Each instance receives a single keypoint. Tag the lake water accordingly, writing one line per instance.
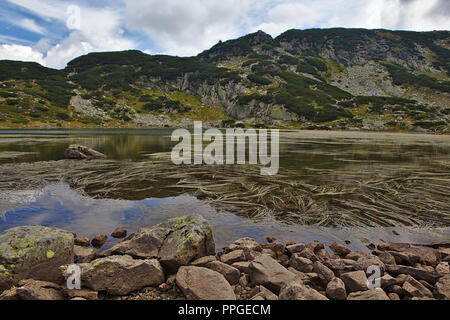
(385, 172)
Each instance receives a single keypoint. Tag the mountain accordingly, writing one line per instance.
(316, 79)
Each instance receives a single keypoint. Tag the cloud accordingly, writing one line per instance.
(31, 25)
(19, 52)
(186, 29)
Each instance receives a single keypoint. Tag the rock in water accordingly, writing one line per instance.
(77, 152)
(119, 233)
(175, 243)
(119, 275)
(198, 283)
(33, 252)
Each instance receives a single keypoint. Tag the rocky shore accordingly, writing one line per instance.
(177, 259)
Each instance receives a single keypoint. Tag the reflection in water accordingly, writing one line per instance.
(324, 159)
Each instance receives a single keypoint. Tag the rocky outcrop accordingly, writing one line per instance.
(33, 252)
(174, 243)
(77, 152)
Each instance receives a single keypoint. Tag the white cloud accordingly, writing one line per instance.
(31, 25)
(182, 28)
(19, 52)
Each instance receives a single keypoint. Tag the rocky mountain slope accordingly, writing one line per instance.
(317, 79)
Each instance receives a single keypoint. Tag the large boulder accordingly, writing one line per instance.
(77, 152)
(198, 283)
(174, 243)
(119, 275)
(33, 252)
(266, 271)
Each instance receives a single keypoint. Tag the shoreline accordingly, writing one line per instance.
(176, 259)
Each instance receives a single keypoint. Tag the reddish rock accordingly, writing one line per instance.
(119, 233)
(271, 239)
(84, 242)
(339, 249)
(336, 290)
(99, 240)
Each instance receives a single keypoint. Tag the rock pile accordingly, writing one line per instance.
(179, 256)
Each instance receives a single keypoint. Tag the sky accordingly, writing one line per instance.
(53, 32)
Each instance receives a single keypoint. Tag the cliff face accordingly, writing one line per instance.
(319, 78)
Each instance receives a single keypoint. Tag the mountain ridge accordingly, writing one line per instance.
(347, 79)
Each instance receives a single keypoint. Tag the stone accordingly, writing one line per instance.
(391, 246)
(355, 281)
(84, 242)
(203, 261)
(414, 288)
(198, 283)
(405, 254)
(295, 248)
(315, 246)
(271, 239)
(387, 258)
(83, 253)
(358, 255)
(267, 294)
(442, 290)
(323, 255)
(269, 252)
(336, 289)
(82, 293)
(144, 244)
(248, 243)
(99, 240)
(119, 233)
(33, 252)
(393, 296)
(77, 152)
(119, 275)
(443, 268)
(174, 243)
(233, 256)
(324, 271)
(387, 280)
(339, 249)
(299, 291)
(30, 289)
(266, 271)
(340, 265)
(416, 273)
(308, 254)
(242, 266)
(301, 264)
(374, 294)
(230, 273)
(364, 263)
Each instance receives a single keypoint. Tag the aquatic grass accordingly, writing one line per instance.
(375, 195)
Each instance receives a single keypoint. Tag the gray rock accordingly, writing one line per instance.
(77, 152)
(201, 262)
(119, 275)
(416, 273)
(301, 264)
(355, 281)
(299, 291)
(324, 271)
(33, 252)
(443, 287)
(266, 271)
(230, 273)
(83, 253)
(30, 289)
(295, 248)
(336, 290)
(374, 294)
(233, 256)
(175, 243)
(414, 288)
(198, 283)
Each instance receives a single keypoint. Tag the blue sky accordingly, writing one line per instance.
(53, 32)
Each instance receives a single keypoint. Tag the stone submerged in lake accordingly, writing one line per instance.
(77, 152)
(33, 252)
